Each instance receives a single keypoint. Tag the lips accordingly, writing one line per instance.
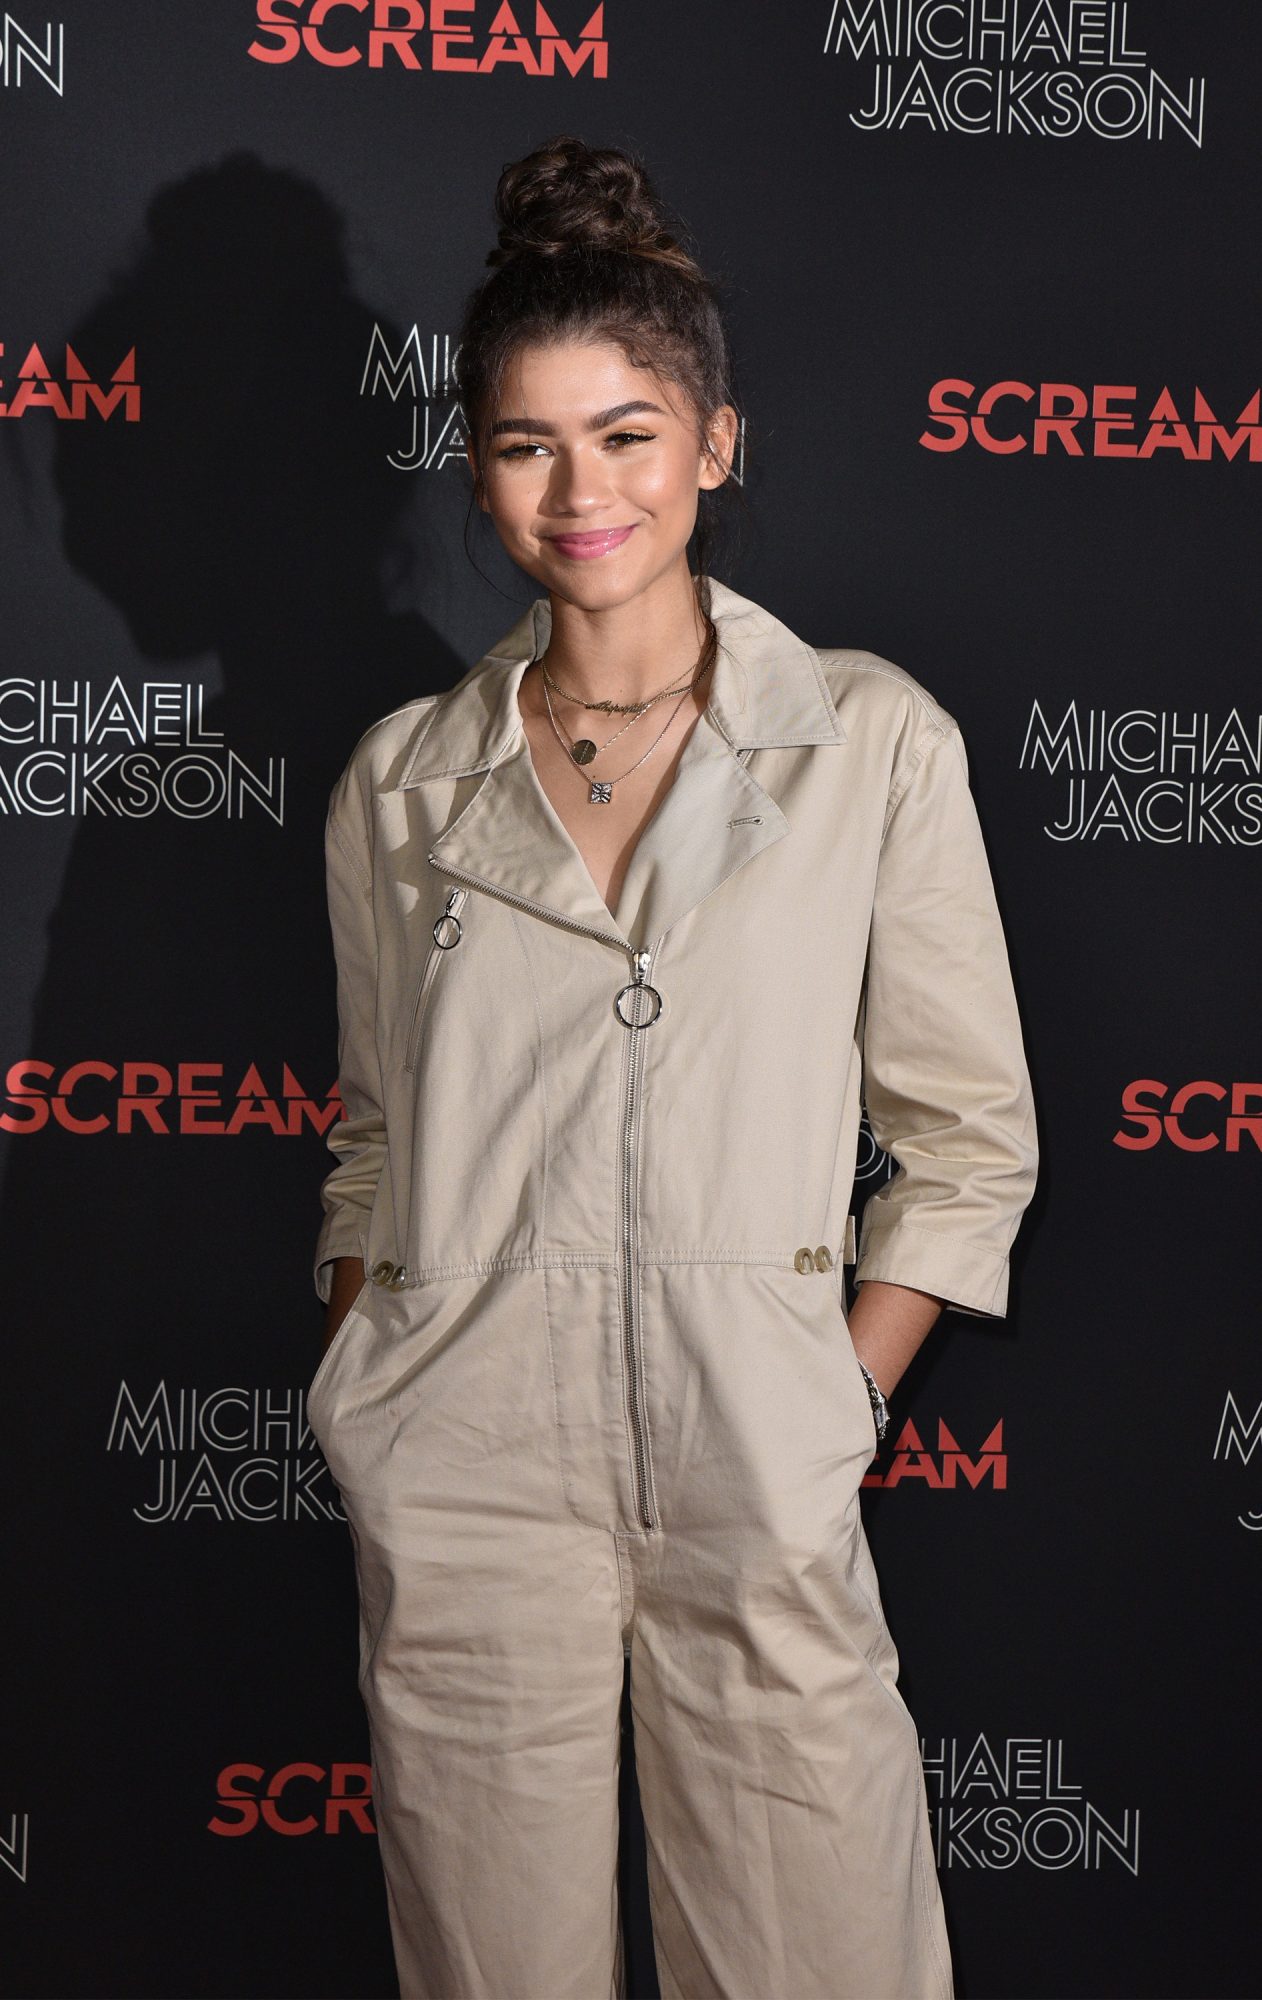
(599, 542)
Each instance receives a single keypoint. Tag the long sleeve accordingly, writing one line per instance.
(946, 1084)
(358, 1141)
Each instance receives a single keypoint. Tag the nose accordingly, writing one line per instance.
(578, 486)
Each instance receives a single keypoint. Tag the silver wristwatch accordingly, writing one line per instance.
(880, 1408)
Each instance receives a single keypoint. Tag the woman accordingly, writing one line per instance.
(621, 922)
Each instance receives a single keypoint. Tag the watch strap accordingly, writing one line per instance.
(880, 1408)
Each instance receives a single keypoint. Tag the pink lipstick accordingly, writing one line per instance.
(599, 542)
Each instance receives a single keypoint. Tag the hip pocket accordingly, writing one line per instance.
(853, 1366)
(354, 1311)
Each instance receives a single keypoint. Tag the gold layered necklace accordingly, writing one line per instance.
(583, 750)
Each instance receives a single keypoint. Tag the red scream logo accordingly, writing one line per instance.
(191, 1098)
(944, 1469)
(297, 1799)
(1100, 422)
(404, 34)
(1224, 1118)
(73, 396)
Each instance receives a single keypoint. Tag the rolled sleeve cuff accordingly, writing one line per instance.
(969, 1277)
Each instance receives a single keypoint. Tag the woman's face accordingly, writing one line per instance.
(593, 469)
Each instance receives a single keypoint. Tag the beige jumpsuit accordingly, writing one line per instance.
(591, 1398)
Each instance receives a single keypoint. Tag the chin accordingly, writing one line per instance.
(593, 586)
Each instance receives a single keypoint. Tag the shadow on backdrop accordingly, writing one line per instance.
(250, 515)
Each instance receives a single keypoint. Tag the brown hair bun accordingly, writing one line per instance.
(568, 197)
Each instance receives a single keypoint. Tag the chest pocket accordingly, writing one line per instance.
(448, 932)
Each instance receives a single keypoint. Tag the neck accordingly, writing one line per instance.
(629, 651)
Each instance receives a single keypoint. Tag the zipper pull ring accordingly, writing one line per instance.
(448, 920)
(645, 995)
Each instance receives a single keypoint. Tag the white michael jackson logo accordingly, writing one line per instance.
(24, 59)
(419, 375)
(74, 748)
(228, 1454)
(14, 1839)
(1237, 1439)
(1164, 775)
(993, 1805)
(1043, 68)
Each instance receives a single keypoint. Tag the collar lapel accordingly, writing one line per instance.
(767, 691)
(510, 837)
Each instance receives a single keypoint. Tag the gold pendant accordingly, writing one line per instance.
(583, 751)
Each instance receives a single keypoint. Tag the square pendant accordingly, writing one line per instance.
(600, 795)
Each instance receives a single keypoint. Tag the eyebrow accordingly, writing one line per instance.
(596, 423)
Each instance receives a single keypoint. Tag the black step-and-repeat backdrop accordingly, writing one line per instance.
(992, 271)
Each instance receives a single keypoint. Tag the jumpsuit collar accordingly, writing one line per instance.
(767, 691)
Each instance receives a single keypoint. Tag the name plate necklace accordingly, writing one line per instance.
(582, 751)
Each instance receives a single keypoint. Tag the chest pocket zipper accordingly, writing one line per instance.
(448, 931)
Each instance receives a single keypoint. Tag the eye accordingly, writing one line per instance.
(619, 439)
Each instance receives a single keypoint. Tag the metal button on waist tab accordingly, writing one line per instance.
(803, 1262)
(392, 1276)
(823, 1258)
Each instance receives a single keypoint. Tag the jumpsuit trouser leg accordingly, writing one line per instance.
(491, 1647)
(790, 1850)
(495, 1772)
(789, 1844)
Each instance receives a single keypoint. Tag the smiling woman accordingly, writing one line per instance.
(591, 1387)
(596, 316)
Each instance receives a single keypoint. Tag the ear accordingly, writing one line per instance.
(721, 432)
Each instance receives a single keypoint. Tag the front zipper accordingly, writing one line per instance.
(634, 1069)
(523, 902)
(641, 962)
(448, 924)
